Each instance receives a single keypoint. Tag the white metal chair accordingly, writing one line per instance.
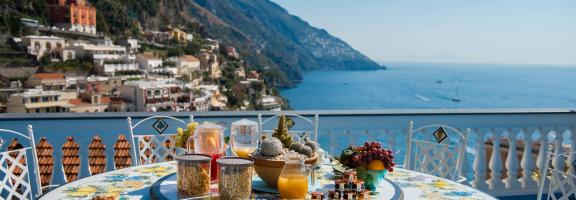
(313, 122)
(152, 147)
(13, 186)
(443, 159)
(562, 184)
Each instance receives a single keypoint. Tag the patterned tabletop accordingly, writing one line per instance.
(135, 183)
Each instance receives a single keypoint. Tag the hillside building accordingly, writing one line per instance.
(73, 15)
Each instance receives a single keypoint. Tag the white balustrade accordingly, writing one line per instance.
(58, 175)
(558, 161)
(389, 129)
(512, 183)
(479, 165)
(572, 156)
(84, 169)
(527, 162)
(495, 183)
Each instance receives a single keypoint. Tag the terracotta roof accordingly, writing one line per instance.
(79, 101)
(76, 101)
(105, 100)
(189, 58)
(148, 55)
(49, 76)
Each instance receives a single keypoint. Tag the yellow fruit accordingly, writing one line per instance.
(180, 131)
(192, 126)
(211, 142)
(376, 165)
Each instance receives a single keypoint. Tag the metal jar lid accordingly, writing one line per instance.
(193, 158)
(234, 162)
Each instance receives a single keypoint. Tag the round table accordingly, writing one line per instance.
(136, 183)
(166, 189)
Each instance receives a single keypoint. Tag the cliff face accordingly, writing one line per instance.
(264, 33)
(286, 38)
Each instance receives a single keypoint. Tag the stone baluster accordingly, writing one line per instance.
(527, 162)
(408, 157)
(368, 137)
(558, 161)
(331, 143)
(512, 162)
(479, 167)
(572, 156)
(83, 153)
(495, 163)
(58, 175)
(350, 137)
(543, 152)
(110, 152)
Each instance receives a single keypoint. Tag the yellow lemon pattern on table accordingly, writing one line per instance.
(440, 184)
(83, 191)
(134, 184)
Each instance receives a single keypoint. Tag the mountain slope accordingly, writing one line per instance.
(286, 37)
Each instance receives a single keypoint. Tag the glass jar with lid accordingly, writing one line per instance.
(193, 175)
(244, 137)
(235, 179)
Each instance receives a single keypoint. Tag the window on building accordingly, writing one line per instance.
(37, 45)
(37, 110)
(45, 99)
(149, 93)
(34, 99)
(48, 45)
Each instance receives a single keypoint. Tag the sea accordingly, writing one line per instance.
(437, 86)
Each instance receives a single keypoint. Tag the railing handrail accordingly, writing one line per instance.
(306, 113)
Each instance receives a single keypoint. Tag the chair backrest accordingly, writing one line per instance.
(443, 158)
(151, 148)
(313, 123)
(562, 184)
(15, 181)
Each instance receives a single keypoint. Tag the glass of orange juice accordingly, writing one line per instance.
(293, 180)
(244, 137)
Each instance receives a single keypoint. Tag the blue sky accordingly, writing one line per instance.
(481, 31)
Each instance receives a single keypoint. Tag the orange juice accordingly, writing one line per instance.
(293, 186)
(244, 151)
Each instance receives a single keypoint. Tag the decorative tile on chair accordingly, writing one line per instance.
(160, 126)
(440, 134)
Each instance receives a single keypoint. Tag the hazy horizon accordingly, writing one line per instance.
(449, 31)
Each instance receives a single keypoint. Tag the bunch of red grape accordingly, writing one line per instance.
(357, 156)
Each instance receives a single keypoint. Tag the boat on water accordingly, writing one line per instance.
(457, 98)
(423, 98)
